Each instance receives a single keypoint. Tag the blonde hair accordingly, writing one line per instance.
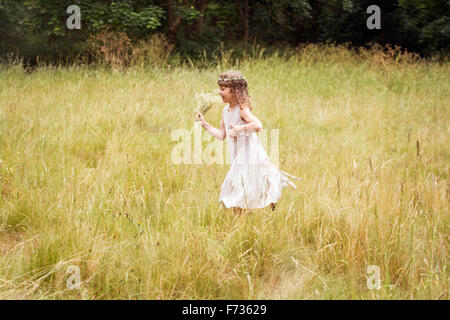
(238, 87)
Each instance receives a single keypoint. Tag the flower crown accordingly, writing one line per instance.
(232, 79)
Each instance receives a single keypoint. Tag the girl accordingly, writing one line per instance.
(253, 181)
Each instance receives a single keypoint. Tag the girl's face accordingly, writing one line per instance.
(226, 94)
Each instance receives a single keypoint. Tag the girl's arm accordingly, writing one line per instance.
(253, 124)
(218, 133)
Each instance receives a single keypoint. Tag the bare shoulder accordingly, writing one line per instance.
(247, 116)
(245, 112)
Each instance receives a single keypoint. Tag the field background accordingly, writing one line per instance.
(87, 180)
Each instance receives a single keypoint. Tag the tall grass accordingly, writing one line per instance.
(86, 179)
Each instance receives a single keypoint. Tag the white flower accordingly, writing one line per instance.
(205, 101)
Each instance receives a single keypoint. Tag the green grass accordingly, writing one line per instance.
(81, 147)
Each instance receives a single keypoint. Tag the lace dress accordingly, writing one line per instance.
(253, 181)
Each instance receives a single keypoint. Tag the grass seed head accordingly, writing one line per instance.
(206, 101)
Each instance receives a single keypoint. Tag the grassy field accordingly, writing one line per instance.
(87, 182)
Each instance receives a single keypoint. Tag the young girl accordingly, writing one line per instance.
(253, 181)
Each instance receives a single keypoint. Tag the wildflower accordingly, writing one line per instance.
(205, 101)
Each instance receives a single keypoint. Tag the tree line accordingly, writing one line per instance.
(194, 27)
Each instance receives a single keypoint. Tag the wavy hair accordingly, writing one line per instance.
(238, 87)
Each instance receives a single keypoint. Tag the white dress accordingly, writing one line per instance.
(253, 181)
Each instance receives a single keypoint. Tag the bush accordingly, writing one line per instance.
(155, 50)
(111, 48)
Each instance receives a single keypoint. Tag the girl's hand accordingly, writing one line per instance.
(238, 128)
(234, 131)
(199, 117)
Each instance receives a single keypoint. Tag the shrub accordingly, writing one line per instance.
(154, 50)
(111, 48)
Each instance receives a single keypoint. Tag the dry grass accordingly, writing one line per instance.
(86, 180)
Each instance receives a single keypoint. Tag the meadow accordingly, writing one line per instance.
(87, 182)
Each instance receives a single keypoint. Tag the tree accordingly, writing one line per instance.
(38, 27)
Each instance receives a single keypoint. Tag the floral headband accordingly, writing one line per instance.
(232, 79)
